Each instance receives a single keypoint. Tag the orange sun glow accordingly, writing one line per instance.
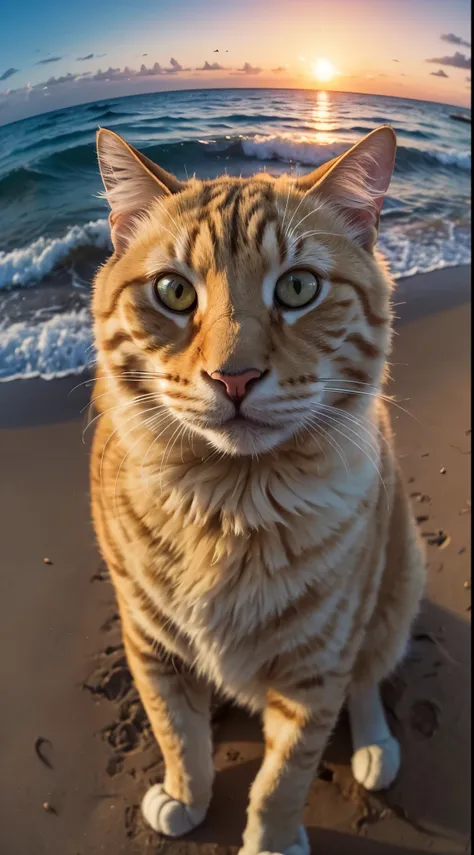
(324, 70)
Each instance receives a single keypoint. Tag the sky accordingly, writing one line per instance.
(55, 54)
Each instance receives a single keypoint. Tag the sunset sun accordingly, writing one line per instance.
(324, 70)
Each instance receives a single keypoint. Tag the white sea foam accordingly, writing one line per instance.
(309, 151)
(291, 147)
(30, 264)
(423, 247)
(454, 158)
(52, 348)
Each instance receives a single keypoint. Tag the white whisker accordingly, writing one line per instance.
(130, 418)
(152, 444)
(164, 457)
(377, 395)
(357, 421)
(337, 421)
(179, 228)
(131, 376)
(313, 232)
(332, 442)
(303, 198)
(129, 450)
(286, 206)
(309, 214)
(361, 449)
(140, 399)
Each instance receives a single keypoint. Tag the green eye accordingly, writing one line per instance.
(175, 293)
(296, 289)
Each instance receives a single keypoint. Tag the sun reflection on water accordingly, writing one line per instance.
(322, 120)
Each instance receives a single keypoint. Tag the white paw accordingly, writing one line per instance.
(376, 766)
(300, 847)
(167, 815)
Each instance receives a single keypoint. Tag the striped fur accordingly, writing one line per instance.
(274, 559)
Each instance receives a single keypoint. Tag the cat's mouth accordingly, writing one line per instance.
(241, 421)
(242, 434)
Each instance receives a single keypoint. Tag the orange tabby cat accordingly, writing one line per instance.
(245, 492)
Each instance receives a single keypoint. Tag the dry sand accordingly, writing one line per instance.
(62, 670)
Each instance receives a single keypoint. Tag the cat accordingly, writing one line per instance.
(245, 490)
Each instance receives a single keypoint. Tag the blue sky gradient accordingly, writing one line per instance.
(361, 38)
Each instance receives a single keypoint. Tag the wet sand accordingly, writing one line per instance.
(64, 679)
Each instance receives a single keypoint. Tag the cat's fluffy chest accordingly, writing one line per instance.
(229, 591)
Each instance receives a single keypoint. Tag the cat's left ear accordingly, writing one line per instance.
(131, 181)
(356, 183)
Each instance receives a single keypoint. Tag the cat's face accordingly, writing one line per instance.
(249, 308)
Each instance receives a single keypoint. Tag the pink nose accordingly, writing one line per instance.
(236, 384)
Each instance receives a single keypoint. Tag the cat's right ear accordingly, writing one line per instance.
(131, 183)
(356, 182)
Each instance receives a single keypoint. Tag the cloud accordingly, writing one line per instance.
(48, 60)
(458, 60)
(8, 73)
(279, 70)
(127, 73)
(455, 40)
(154, 71)
(109, 74)
(56, 81)
(175, 67)
(210, 66)
(439, 73)
(395, 60)
(85, 58)
(247, 68)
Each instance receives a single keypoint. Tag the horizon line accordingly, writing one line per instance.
(235, 89)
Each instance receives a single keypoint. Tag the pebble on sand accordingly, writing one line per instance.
(442, 471)
(47, 561)
(442, 539)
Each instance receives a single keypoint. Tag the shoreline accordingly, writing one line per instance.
(67, 682)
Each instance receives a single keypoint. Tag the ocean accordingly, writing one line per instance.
(53, 224)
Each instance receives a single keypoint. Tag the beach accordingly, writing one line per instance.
(76, 749)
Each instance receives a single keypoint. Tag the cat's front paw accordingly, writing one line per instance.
(300, 847)
(376, 766)
(168, 815)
